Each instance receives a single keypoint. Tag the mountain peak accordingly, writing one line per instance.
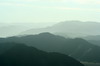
(46, 33)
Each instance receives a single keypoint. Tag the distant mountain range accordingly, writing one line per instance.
(69, 29)
(66, 29)
(77, 48)
(12, 29)
(17, 54)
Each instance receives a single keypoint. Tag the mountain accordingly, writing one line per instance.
(69, 29)
(77, 48)
(5, 46)
(96, 37)
(22, 55)
(12, 29)
(93, 39)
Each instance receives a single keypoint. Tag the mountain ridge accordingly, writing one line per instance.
(77, 48)
(69, 28)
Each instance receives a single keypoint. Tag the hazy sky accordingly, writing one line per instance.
(13, 11)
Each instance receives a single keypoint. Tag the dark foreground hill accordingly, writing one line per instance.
(77, 48)
(22, 55)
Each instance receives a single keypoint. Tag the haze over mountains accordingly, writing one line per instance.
(70, 29)
(12, 29)
(66, 29)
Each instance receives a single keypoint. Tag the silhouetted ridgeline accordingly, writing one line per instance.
(78, 48)
(21, 55)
